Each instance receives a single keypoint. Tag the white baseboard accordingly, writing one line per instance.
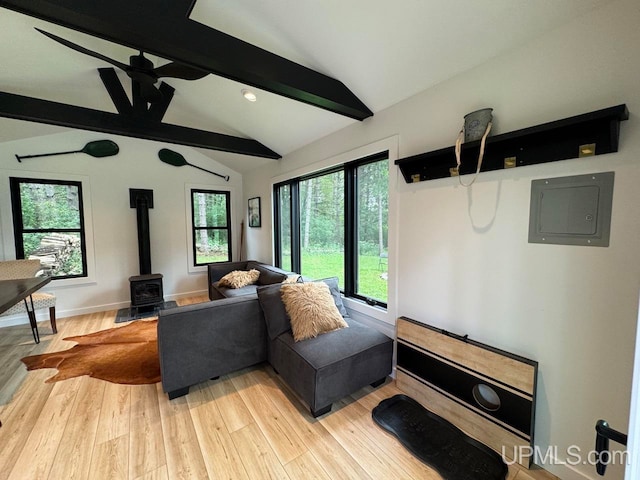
(43, 315)
(20, 319)
(565, 471)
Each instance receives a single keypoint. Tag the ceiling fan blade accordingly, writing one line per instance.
(149, 92)
(86, 51)
(179, 70)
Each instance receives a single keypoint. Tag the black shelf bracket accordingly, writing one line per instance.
(593, 133)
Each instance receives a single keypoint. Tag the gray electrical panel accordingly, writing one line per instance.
(572, 210)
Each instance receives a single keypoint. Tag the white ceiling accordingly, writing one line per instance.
(383, 51)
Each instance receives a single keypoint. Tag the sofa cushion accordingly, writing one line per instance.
(226, 292)
(270, 275)
(335, 293)
(336, 346)
(324, 369)
(239, 278)
(275, 315)
(251, 264)
(311, 309)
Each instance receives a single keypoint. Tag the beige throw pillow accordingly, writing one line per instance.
(239, 278)
(311, 309)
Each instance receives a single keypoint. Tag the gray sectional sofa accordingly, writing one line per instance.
(203, 341)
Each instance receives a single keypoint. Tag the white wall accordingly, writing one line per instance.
(113, 221)
(462, 260)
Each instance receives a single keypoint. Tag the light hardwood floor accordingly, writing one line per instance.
(247, 425)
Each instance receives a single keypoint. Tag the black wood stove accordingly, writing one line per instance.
(146, 291)
(146, 288)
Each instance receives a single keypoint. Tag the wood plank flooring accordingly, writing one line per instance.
(247, 425)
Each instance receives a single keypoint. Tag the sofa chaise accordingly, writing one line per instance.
(326, 368)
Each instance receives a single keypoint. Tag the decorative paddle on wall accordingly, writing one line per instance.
(177, 160)
(97, 148)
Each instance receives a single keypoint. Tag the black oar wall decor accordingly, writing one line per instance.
(177, 160)
(98, 149)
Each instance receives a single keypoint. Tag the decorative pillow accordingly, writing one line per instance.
(239, 279)
(311, 309)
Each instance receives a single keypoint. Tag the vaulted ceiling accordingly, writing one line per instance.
(383, 52)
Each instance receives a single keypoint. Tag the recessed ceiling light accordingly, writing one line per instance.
(249, 95)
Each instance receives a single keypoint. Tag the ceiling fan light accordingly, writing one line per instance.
(249, 95)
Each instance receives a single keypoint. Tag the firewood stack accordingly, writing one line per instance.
(55, 250)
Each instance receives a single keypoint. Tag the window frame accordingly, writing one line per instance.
(18, 224)
(194, 229)
(294, 208)
(350, 168)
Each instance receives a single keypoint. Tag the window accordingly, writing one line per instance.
(334, 223)
(371, 219)
(48, 224)
(284, 226)
(211, 220)
(322, 226)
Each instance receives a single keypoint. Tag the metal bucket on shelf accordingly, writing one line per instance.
(475, 124)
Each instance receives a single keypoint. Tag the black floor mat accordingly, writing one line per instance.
(438, 443)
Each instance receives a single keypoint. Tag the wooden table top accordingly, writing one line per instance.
(12, 291)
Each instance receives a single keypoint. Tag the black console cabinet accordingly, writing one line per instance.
(592, 133)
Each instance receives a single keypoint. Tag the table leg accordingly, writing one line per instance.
(32, 319)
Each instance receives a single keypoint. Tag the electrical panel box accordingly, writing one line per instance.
(572, 210)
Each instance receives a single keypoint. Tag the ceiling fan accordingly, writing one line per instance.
(140, 69)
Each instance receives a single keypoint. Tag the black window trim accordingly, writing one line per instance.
(351, 208)
(18, 230)
(194, 229)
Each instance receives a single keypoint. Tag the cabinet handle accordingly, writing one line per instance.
(604, 433)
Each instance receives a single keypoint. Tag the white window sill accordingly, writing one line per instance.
(360, 306)
(69, 282)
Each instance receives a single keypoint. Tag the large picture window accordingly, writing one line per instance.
(211, 220)
(48, 224)
(334, 223)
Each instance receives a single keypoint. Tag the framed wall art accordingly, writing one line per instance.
(255, 217)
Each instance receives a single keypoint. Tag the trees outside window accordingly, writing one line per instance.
(322, 226)
(284, 226)
(48, 224)
(211, 220)
(334, 223)
(372, 214)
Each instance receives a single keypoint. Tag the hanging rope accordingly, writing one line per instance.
(480, 156)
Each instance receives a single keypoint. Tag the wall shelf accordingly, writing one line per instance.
(549, 142)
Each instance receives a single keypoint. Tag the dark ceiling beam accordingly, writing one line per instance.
(149, 27)
(181, 7)
(31, 109)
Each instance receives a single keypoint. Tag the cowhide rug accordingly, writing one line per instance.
(126, 355)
